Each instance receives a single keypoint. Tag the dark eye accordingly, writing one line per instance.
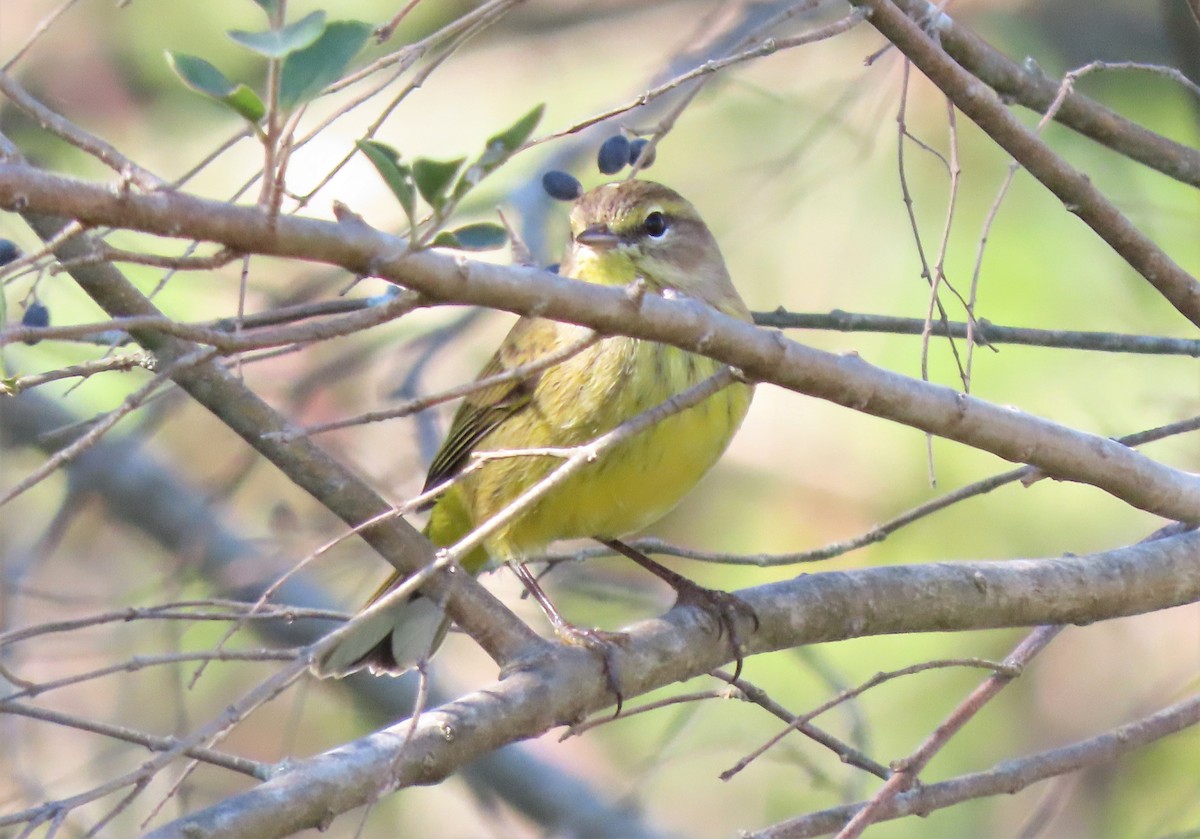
(655, 224)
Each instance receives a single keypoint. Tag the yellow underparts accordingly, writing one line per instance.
(622, 491)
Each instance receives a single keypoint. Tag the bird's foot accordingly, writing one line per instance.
(729, 611)
(604, 644)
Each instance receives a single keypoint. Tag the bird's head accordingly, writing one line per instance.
(629, 229)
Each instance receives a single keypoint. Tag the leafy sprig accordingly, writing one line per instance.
(442, 185)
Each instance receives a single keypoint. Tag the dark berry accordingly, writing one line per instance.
(635, 151)
(614, 154)
(35, 315)
(8, 252)
(561, 186)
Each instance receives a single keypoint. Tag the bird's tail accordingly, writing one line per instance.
(410, 631)
(392, 641)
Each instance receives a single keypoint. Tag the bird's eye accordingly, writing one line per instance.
(655, 224)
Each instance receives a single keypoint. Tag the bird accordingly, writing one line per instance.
(621, 233)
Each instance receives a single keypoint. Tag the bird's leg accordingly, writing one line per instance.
(728, 608)
(594, 639)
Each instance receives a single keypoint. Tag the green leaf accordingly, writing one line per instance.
(433, 178)
(276, 43)
(396, 175)
(199, 75)
(499, 148)
(482, 236)
(204, 78)
(310, 70)
(246, 102)
(513, 137)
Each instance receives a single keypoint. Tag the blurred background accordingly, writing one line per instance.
(792, 160)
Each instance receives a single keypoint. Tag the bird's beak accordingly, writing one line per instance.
(598, 238)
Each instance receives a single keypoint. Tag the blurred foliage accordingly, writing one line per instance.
(792, 161)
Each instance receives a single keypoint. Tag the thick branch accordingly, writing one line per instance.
(810, 609)
(848, 380)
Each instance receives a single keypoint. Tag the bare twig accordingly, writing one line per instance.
(225, 338)
(137, 778)
(141, 662)
(847, 695)
(241, 765)
(107, 253)
(845, 752)
(907, 770)
(58, 125)
(38, 31)
(767, 47)
(926, 273)
(1005, 778)
(984, 332)
(875, 534)
(412, 406)
(186, 610)
(1028, 85)
(14, 386)
(103, 426)
(1077, 192)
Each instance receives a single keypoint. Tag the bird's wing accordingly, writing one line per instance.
(484, 410)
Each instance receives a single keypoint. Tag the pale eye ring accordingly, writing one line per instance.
(655, 225)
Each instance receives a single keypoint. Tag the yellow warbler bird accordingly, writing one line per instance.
(620, 232)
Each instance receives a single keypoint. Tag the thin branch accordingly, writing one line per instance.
(141, 662)
(412, 406)
(1077, 192)
(137, 778)
(1005, 778)
(845, 752)
(1025, 474)
(858, 690)
(213, 332)
(61, 127)
(1028, 85)
(985, 333)
(38, 31)
(104, 425)
(581, 728)
(906, 771)
(768, 46)
(225, 338)
(180, 611)
(107, 253)
(36, 262)
(241, 765)
(906, 197)
(11, 387)
(1170, 73)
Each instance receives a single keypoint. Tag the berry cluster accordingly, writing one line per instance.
(615, 154)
